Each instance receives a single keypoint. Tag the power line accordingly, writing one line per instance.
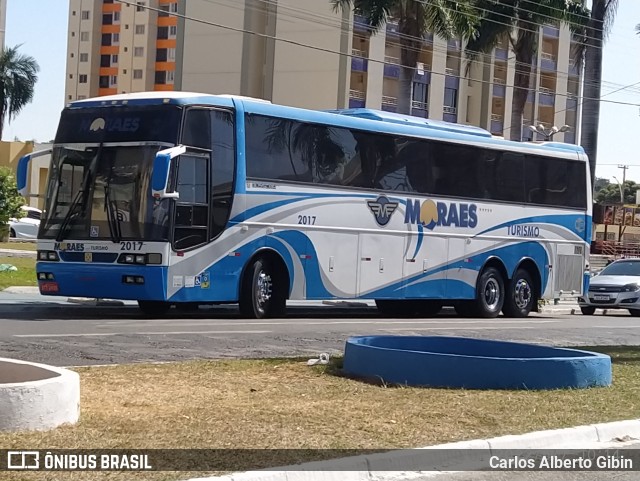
(309, 15)
(327, 50)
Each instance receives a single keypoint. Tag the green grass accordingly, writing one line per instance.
(286, 404)
(24, 276)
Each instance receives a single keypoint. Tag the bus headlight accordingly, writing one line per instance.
(48, 256)
(140, 259)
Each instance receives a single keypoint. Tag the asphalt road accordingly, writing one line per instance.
(52, 331)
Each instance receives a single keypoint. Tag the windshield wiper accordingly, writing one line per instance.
(69, 216)
(115, 229)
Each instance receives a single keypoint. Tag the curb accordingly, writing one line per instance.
(95, 302)
(406, 463)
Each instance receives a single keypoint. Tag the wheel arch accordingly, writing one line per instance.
(273, 256)
(496, 263)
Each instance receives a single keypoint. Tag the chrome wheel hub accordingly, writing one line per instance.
(264, 288)
(522, 294)
(492, 294)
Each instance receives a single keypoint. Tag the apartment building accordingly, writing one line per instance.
(305, 54)
(3, 21)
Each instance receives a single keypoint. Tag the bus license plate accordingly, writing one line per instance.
(600, 298)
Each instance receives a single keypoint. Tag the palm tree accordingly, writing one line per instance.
(17, 81)
(518, 22)
(446, 18)
(600, 23)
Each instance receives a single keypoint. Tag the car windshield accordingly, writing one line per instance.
(622, 268)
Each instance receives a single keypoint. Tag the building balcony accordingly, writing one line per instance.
(448, 117)
(360, 24)
(450, 81)
(547, 97)
(358, 61)
(551, 31)
(501, 54)
(390, 104)
(572, 102)
(356, 99)
(497, 126)
(549, 62)
(499, 89)
(453, 44)
(419, 109)
(391, 66)
(392, 29)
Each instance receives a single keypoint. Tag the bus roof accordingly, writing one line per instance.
(361, 118)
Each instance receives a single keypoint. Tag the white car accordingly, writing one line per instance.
(617, 286)
(26, 227)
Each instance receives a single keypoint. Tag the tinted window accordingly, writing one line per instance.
(556, 182)
(455, 170)
(222, 172)
(281, 149)
(197, 129)
(119, 124)
(502, 176)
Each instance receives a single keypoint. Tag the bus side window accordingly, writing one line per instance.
(222, 169)
(191, 218)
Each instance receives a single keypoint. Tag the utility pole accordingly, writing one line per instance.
(624, 176)
(621, 229)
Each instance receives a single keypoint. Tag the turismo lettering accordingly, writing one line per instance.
(523, 230)
(431, 214)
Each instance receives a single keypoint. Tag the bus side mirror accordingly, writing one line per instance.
(160, 173)
(22, 174)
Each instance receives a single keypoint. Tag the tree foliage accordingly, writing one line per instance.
(18, 77)
(610, 193)
(446, 18)
(10, 200)
(518, 22)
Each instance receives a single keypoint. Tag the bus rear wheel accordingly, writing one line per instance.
(520, 296)
(154, 308)
(262, 294)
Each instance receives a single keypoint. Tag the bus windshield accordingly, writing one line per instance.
(102, 192)
(98, 186)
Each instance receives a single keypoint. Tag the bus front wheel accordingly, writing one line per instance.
(154, 308)
(489, 294)
(262, 294)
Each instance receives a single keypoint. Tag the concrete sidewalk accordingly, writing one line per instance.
(17, 253)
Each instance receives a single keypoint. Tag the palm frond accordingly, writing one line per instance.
(18, 76)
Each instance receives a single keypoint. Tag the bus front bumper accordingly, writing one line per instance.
(112, 281)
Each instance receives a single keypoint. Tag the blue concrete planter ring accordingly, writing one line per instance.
(458, 362)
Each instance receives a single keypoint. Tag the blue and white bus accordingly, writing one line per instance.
(182, 199)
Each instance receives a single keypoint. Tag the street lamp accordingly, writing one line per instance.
(621, 191)
(548, 133)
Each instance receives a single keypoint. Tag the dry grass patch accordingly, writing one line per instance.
(286, 404)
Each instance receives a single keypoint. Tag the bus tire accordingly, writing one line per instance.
(520, 296)
(154, 308)
(261, 295)
(489, 294)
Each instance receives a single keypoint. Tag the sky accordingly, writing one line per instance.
(41, 27)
